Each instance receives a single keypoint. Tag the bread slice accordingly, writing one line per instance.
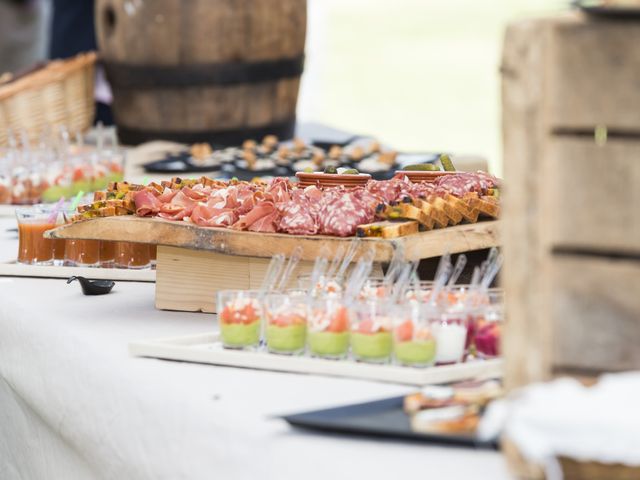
(403, 211)
(387, 229)
(454, 216)
(468, 213)
(438, 216)
(106, 211)
(488, 206)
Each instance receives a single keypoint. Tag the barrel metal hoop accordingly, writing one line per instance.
(127, 76)
(235, 136)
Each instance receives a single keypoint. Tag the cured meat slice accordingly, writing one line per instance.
(341, 215)
(146, 203)
(262, 218)
(206, 216)
(299, 214)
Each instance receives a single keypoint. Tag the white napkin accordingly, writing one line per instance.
(563, 418)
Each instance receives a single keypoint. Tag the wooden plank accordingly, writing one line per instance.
(188, 280)
(591, 195)
(434, 243)
(527, 332)
(588, 68)
(206, 348)
(595, 310)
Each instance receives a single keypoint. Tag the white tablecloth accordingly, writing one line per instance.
(75, 405)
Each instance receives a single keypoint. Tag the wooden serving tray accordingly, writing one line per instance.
(206, 348)
(13, 269)
(434, 243)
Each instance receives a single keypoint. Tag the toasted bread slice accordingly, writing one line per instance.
(489, 207)
(99, 196)
(440, 218)
(122, 211)
(468, 213)
(106, 211)
(454, 216)
(387, 229)
(405, 211)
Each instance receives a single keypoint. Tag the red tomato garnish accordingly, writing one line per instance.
(339, 322)
(404, 331)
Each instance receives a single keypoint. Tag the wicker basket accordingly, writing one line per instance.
(60, 93)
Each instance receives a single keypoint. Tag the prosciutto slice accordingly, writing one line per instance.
(206, 216)
(146, 203)
(262, 218)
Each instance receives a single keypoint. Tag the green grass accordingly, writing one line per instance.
(418, 74)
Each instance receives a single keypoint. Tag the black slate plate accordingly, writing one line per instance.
(597, 8)
(177, 163)
(381, 418)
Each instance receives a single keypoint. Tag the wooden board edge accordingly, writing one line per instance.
(460, 238)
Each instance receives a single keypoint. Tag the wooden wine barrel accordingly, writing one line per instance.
(220, 71)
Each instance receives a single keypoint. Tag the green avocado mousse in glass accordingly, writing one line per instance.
(328, 335)
(413, 341)
(286, 329)
(371, 339)
(239, 318)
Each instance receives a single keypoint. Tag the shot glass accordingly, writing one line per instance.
(286, 323)
(328, 328)
(414, 344)
(371, 339)
(489, 322)
(132, 255)
(449, 327)
(82, 253)
(33, 248)
(240, 314)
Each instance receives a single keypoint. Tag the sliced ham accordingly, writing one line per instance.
(262, 218)
(146, 203)
(206, 216)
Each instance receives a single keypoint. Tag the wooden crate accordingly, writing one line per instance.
(572, 204)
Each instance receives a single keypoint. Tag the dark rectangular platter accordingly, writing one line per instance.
(382, 418)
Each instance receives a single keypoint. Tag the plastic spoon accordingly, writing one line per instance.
(294, 259)
(348, 258)
(336, 260)
(273, 271)
(461, 262)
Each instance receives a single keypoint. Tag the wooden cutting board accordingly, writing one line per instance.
(434, 243)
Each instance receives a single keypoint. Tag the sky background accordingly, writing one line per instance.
(421, 75)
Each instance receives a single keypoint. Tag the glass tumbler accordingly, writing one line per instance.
(413, 341)
(371, 339)
(328, 328)
(33, 248)
(240, 314)
(286, 323)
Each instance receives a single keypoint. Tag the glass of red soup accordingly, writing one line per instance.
(371, 339)
(240, 314)
(328, 328)
(286, 328)
(413, 342)
(489, 323)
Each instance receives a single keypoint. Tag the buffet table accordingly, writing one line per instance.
(75, 405)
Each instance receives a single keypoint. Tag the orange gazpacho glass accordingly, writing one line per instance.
(33, 248)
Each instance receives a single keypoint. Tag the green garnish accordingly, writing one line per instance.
(422, 167)
(446, 162)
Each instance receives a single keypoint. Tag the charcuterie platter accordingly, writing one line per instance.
(213, 234)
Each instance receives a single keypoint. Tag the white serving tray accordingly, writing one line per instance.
(13, 269)
(206, 348)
